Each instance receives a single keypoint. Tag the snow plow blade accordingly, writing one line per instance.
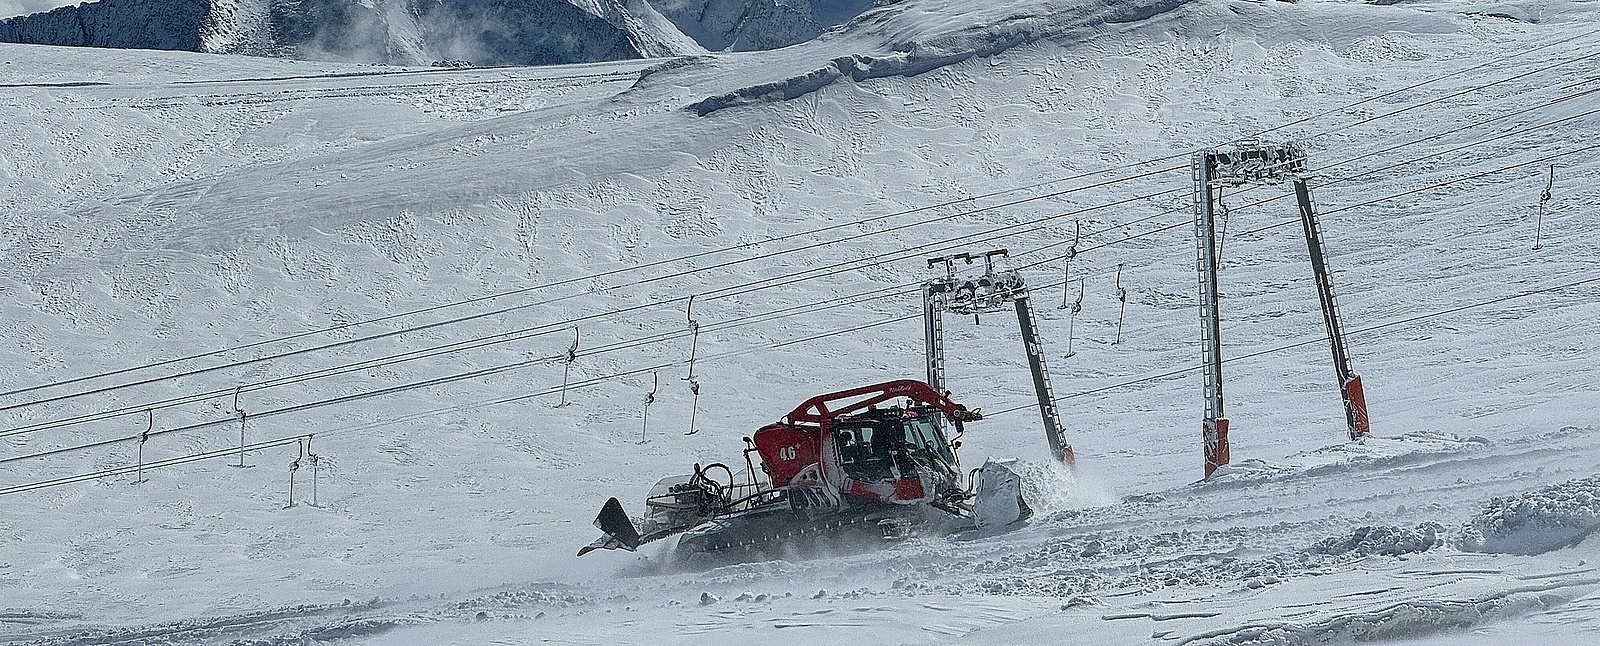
(617, 527)
(999, 496)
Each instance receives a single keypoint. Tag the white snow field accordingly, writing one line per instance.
(392, 261)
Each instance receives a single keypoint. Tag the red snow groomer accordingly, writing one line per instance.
(868, 463)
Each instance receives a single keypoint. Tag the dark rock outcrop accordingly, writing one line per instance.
(144, 24)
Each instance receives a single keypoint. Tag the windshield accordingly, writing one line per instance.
(870, 449)
(923, 440)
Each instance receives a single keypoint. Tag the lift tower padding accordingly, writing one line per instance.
(1259, 163)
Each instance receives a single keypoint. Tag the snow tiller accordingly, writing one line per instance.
(871, 463)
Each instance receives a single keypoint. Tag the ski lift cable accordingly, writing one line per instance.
(1441, 184)
(949, 244)
(1495, 63)
(609, 273)
(622, 345)
(291, 379)
(1349, 207)
(480, 342)
(742, 321)
(357, 366)
(1364, 173)
(1507, 134)
(1452, 95)
(505, 310)
(422, 353)
(1371, 202)
(1319, 339)
(233, 365)
(228, 451)
(554, 327)
(1429, 187)
(666, 262)
(1374, 327)
(499, 338)
(482, 372)
(1505, 115)
(472, 374)
(724, 292)
(1460, 128)
(1457, 129)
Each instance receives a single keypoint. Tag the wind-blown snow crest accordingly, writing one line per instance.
(911, 57)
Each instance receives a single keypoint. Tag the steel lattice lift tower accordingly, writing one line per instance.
(1259, 163)
(985, 294)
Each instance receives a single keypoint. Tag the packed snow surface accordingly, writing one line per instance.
(387, 267)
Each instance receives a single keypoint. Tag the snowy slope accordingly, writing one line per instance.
(162, 205)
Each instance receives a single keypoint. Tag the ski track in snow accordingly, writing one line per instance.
(159, 204)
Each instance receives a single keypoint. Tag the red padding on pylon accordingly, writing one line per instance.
(1215, 438)
(1355, 403)
(1068, 457)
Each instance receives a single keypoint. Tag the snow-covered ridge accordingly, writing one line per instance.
(405, 32)
(484, 32)
(143, 24)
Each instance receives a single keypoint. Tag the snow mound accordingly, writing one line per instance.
(1383, 540)
(1537, 521)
